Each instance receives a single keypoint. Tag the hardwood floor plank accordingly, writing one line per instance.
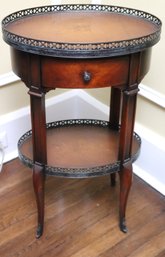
(161, 254)
(151, 247)
(148, 229)
(82, 240)
(81, 218)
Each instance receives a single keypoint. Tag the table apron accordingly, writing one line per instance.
(51, 72)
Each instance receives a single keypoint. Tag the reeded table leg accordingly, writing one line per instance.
(113, 179)
(115, 104)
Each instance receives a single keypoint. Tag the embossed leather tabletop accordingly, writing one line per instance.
(77, 28)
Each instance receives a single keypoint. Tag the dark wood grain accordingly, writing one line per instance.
(98, 47)
(43, 74)
(80, 218)
(104, 72)
(68, 73)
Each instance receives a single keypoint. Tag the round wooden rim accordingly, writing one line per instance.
(76, 172)
(78, 50)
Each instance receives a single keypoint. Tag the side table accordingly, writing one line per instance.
(81, 46)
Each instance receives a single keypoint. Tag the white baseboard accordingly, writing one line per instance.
(151, 180)
(79, 104)
(152, 95)
(8, 78)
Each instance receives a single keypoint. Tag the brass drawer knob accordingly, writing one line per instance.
(86, 76)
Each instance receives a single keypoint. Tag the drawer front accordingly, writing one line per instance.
(93, 73)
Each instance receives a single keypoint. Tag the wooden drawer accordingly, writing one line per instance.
(52, 72)
(85, 73)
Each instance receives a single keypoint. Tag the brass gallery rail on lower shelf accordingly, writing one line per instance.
(79, 148)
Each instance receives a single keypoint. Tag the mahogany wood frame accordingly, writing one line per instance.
(44, 64)
(42, 73)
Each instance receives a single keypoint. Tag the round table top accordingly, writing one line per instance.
(81, 30)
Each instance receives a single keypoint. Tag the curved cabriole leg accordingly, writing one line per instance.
(38, 183)
(125, 185)
(38, 118)
(129, 96)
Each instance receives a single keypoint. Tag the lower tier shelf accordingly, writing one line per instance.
(79, 148)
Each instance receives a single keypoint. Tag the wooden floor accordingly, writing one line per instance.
(81, 218)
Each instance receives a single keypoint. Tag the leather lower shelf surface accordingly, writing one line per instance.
(78, 148)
